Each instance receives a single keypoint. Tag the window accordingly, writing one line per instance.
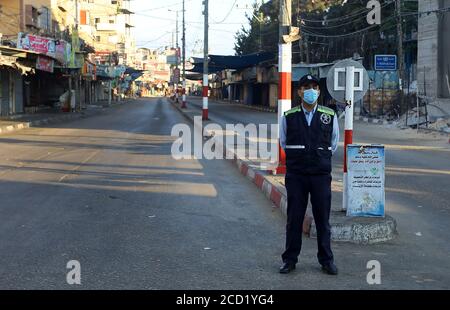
(44, 18)
(97, 20)
(111, 21)
(83, 17)
(113, 1)
(31, 16)
(98, 38)
(55, 26)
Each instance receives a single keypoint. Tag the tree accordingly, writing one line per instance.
(331, 30)
(248, 38)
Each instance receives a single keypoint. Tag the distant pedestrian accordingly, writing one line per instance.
(309, 134)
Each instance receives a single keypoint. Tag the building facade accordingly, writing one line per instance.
(433, 60)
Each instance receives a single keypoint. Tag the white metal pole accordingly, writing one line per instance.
(349, 100)
(284, 74)
(205, 65)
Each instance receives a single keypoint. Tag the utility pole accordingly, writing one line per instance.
(205, 64)
(284, 72)
(77, 78)
(183, 101)
(109, 82)
(307, 48)
(261, 19)
(300, 42)
(76, 14)
(398, 9)
(176, 66)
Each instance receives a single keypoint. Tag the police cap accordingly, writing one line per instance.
(308, 79)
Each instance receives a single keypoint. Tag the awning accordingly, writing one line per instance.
(9, 58)
(194, 76)
(218, 62)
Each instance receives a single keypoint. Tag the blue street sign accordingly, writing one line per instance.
(385, 62)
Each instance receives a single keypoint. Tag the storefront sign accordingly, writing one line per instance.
(37, 44)
(105, 71)
(366, 177)
(45, 64)
(89, 70)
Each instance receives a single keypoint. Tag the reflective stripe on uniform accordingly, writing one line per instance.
(295, 147)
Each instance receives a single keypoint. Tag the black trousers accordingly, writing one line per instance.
(298, 188)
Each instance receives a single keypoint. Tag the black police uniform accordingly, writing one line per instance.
(308, 163)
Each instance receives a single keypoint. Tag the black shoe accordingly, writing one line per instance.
(287, 267)
(330, 268)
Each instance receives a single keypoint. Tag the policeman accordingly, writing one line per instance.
(309, 134)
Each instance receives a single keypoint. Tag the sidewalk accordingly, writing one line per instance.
(21, 121)
(356, 230)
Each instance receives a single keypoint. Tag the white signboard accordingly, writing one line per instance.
(365, 186)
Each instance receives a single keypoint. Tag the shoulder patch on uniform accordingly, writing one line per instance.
(293, 110)
(325, 110)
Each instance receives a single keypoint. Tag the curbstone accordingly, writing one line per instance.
(360, 230)
(259, 180)
(267, 188)
(244, 169)
(275, 196)
(283, 206)
(307, 223)
(251, 174)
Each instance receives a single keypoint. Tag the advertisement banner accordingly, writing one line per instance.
(45, 64)
(105, 71)
(63, 52)
(176, 75)
(366, 179)
(37, 44)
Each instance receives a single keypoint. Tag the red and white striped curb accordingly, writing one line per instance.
(276, 195)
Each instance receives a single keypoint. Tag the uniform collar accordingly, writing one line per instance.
(312, 111)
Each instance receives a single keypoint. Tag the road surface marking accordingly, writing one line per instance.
(79, 166)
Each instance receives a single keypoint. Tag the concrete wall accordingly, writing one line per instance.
(9, 16)
(433, 64)
(273, 95)
(444, 52)
(433, 49)
(427, 62)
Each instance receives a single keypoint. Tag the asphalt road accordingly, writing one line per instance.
(105, 191)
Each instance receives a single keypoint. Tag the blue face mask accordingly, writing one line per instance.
(310, 96)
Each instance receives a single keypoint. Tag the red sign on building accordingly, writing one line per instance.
(45, 64)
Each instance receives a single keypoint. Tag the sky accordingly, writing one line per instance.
(155, 24)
